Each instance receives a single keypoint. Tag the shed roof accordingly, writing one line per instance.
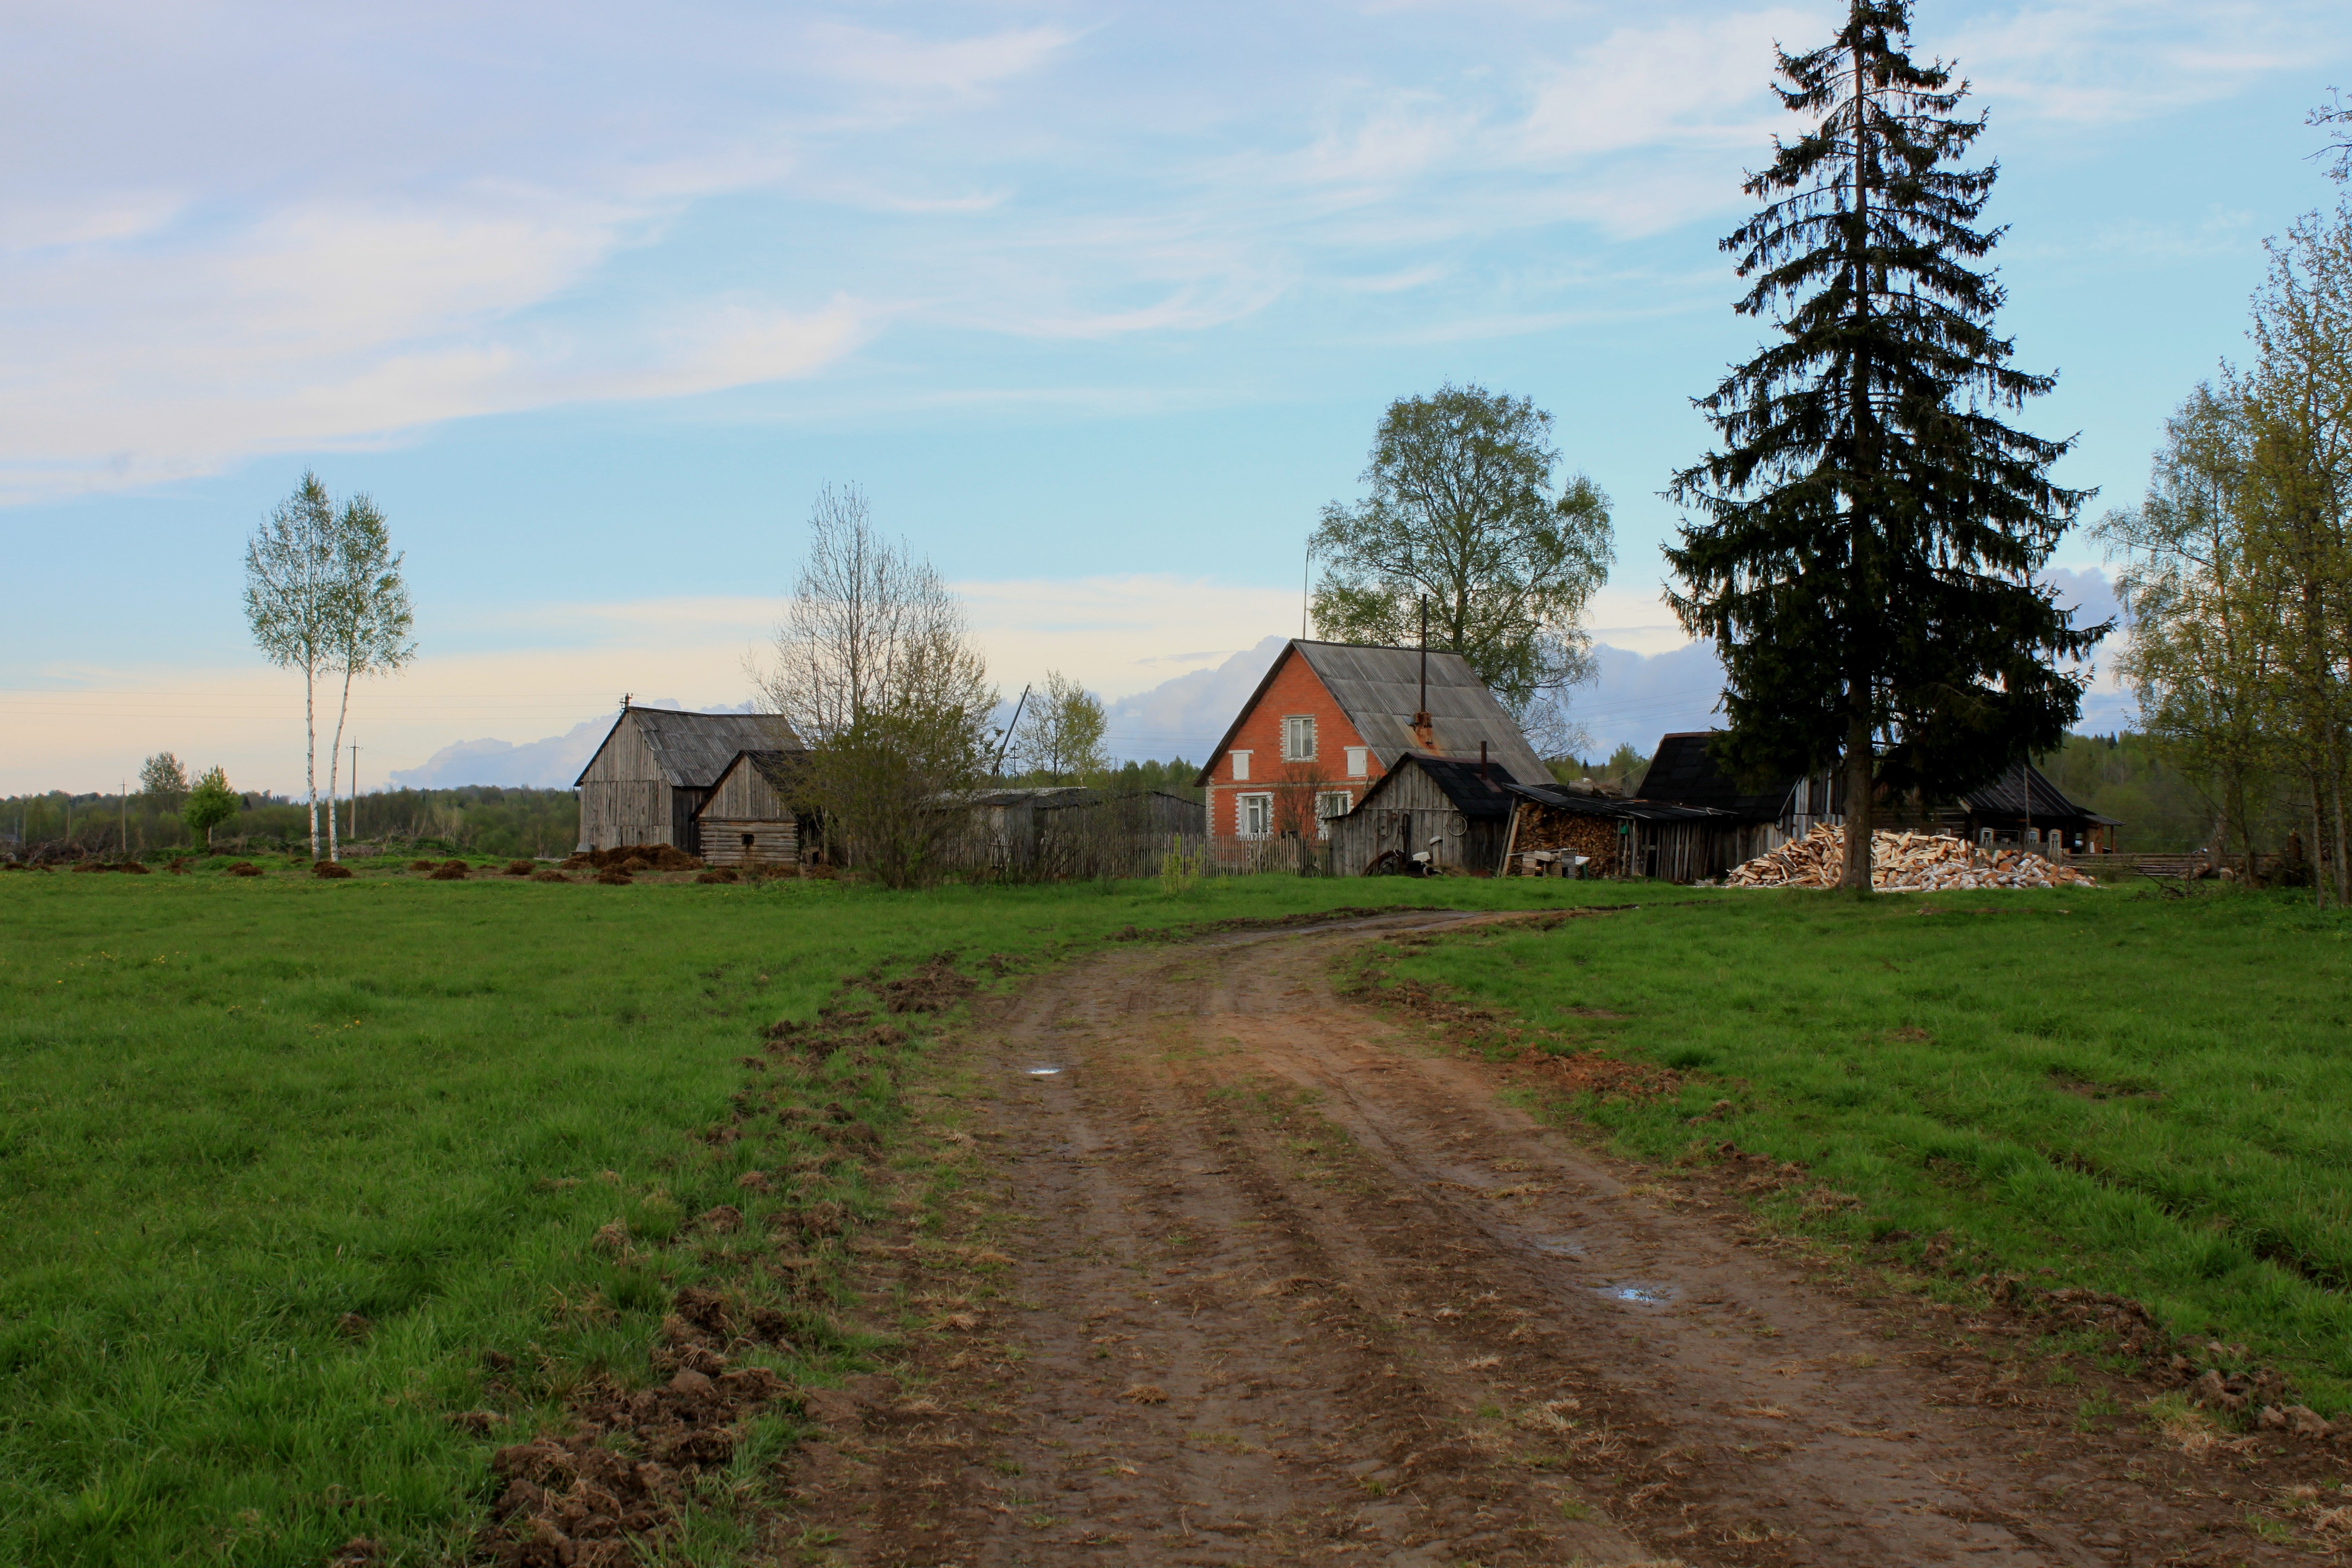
(2023, 791)
(775, 766)
(1379, 689)
(1682, 774)
(1566, 800)
(693, 749)
(1459, 780)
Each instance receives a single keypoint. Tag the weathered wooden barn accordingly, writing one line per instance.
(657, 765)
(1328, 722)
(1551, 824)
(1457, 813)
(748, 818)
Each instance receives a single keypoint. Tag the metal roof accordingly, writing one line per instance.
(1379, 689)
(693, 749)
(1457, 780)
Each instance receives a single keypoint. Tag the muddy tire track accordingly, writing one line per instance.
(1284, 1283)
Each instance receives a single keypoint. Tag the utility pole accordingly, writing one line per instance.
(1306, 573)
(1421, 713)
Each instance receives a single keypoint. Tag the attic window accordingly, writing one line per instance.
(1359, 763)
(1298, 737)
(1241, 765)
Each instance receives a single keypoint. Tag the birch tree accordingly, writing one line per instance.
(290, 588)
(369, 620)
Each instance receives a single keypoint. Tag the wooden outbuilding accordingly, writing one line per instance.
(657, 765)
(1456, 813)
(1552, 826)
(748, 818)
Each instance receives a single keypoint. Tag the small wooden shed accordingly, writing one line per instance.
(748, 818)
(1618, 838)
(1458, 813)
(657, 765)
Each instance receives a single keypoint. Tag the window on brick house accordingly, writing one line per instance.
(1241, 765)
(1360, 764)
(1257, 815)
(1298, 737)
(1329, 804)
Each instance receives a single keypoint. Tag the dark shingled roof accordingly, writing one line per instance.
(1580, 805)
(2023, 787)
(1460, 783)
(1378, 690)
(693, 749)
(1682, 774)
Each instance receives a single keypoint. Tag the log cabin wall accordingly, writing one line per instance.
(748, 841)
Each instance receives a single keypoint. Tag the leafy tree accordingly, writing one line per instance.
(290, 586)
(163, 776)
(210, 804)
(368, 619)
(1868, 534)
(1462, 514)
(876, 670)
(2200, 659)
(1061, 735)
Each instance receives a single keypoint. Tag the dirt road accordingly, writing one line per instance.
(1289, 1283)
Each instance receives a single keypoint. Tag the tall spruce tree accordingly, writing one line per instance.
(1866, 540)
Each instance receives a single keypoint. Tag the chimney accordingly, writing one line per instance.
(1482, 763)
(1421, 713)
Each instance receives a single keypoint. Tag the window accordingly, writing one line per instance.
(1298, 737)
(1329, 804)
(1257, 815)
(1241, 765)
(1359, 761)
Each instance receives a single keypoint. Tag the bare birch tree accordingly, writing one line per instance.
(290, 593)
(874, 666)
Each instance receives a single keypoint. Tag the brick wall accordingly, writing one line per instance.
(1294, 690)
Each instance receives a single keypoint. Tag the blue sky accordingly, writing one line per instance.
(1098, 302)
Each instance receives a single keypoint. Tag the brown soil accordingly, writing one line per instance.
(1273, 1279)
(645, 857)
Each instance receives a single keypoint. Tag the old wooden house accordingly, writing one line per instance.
(1456, 813)
(657, 766)
(1766, 814)
(747, 819)
(1328, 724)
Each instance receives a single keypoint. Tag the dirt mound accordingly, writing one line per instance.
(241, 869)
(519, 868)
(651, 858)
(718, 874)
(422, 865)
(632, 1456)
(613, 876)
(453, 872)
(933, 988)
(548, 874)
(329, 870)
(1903, 863)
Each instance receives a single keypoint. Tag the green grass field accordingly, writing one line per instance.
(234, 1110)
(2106, 1089)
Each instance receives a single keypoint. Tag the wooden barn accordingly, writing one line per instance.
(657, 765)
(1767, 815)
(748, 818)
(1551, 825)
(1457, 813)
(1328, 724)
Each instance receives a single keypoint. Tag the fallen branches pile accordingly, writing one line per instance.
(1903, 863)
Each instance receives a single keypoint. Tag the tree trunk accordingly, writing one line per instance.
(311, 748)
(1858, 801)
(334, 761)
(2318, 872)
(2336, 802)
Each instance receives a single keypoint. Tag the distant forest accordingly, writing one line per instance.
(2117, 775)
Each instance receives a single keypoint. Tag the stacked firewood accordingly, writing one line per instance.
(1903, 863)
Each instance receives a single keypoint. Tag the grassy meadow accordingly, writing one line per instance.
(2111, 1090)
(234, 1110)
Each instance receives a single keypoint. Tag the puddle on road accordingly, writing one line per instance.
(1634, 1293)
(1557, 1246)
(1041, 1071)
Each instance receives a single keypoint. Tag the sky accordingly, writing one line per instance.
(1100, 303)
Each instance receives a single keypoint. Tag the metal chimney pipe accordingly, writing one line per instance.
(1482, 762)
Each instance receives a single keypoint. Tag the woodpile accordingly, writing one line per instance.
(1903, 863)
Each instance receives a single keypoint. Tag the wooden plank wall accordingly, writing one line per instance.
(774, 843)
(624, 797)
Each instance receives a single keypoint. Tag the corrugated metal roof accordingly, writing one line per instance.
(693, 749)
(1456, 779)
(1561, 799)
(1379, 689)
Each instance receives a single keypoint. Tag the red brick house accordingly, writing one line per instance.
(1330, 718)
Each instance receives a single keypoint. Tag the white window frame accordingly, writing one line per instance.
(1262, 806)
(1329, 804)
(1295, 725)
(1240, 766)
(1359, 761)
